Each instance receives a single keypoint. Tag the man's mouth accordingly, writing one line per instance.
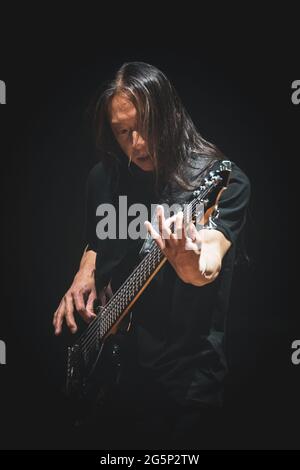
(143, 158)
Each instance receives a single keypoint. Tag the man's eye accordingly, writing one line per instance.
(123, 131)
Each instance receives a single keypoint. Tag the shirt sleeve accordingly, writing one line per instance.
(233, 205)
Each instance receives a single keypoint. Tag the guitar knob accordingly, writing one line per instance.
(115, 349)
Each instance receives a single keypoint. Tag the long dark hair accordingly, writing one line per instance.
(173, 141)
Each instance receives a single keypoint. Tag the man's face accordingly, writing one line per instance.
(123, 121)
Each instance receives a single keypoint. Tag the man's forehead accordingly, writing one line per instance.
(121, 110)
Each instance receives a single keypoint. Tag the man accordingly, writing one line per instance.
(151, 152)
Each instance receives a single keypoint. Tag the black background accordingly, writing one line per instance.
(239, 95)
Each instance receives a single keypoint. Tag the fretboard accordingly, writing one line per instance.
(129, 290)
(122, 299)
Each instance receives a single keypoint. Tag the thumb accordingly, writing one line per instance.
(209, 262)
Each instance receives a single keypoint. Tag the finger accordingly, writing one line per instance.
(164, 230)
(193, 240)
(90, 303)
(58, 319)
(55, 315)
(179, 232)
(155, 235)
(193, 233)
(79, 301)
(80, 306)
(58, 324)
(69, 314)
(170, 221)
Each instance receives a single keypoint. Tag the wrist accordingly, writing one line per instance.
(87, 269)
(88, 262)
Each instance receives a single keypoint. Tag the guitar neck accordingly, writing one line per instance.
(128, 293)
(123, 300)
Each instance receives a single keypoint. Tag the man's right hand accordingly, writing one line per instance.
(80, 297)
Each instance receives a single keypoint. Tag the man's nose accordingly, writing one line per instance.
(137, 140)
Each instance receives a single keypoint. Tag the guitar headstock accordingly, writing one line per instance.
(218, 177)
(205, 202)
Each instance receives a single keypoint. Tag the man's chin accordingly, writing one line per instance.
(145, 165)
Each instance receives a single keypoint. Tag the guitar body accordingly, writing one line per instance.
(93, 384)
